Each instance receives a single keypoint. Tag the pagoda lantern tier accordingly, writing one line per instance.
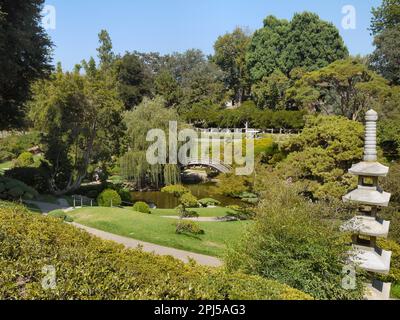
(367, 227)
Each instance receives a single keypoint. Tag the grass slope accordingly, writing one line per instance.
(155, 229)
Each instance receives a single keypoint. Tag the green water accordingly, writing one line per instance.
(166, 201)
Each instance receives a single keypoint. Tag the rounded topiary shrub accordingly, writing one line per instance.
(25, 159)
(142, 207)
(208, 202)
(189, 201)
(12, 189)
(109, 198)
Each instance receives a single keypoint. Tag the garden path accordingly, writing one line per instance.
(182, 255)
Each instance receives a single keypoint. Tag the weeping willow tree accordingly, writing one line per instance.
(150, 114)
(135, 168)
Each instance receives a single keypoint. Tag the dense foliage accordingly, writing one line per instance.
(11, 189)
(85, 266)
(149, 115)
(345, 87)
(290, 243)
(109, 198)
(13, 145)
(319, 158)
(24, 57)
(305, 41)
(142, 207)
(79, 116)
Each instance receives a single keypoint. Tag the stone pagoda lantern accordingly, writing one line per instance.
(367, 226)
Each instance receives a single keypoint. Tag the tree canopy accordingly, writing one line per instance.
(385, 16)
(230, 56)
(345, 87)
(25, 55)
(306, 41)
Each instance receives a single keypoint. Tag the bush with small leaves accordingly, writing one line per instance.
(190, 227)
(208, 202)
(111, 271)
(126, 195)
(188, 200)
(11, 189)
(185, 213)
(25, 159)
(142, 207)
(109, 198)
(176, 190)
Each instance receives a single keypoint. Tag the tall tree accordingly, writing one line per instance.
(25, 51)
(230, 56)
(79, 116)
(105, 50)
(134, 81)
(345, 87)
(386, 57)
(385, 16)
(306, 41)
(385, 26)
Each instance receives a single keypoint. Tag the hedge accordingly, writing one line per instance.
(90, 268)
(11, 189)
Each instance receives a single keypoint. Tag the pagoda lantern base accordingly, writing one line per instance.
(378, 290)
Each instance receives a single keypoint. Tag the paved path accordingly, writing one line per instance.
(132, 243)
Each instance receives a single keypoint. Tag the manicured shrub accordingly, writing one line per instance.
(189, 201)
(188, 227)
(125, 195)
(93, 194)
(291, 243)
(142, 207)
(16, 144)
(109, 198)
(25, 159)
(176, 190)
(208, 202)
(36, 178)
(183, 212)
(16, 192)
(11, 189)
(111, 272)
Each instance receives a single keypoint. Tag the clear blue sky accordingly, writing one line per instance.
(177, 25)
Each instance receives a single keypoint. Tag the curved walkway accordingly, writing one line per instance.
(182, 255)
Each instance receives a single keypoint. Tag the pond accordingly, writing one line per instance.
(166, 201)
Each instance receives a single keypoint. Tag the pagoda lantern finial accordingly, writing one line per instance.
(370, 153)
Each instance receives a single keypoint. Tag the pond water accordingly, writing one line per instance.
(166, 201)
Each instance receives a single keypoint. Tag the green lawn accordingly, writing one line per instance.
(203, 212)
(5, 165)
(155, 229)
